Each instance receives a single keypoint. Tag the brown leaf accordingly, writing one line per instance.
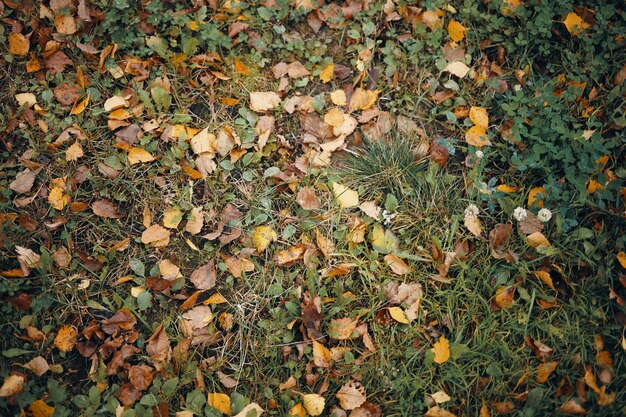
(195, 221)
(288, 256)
(204, 277)
(263, 101)
(397, 265)
(351, 395)
(572, 407)
(321, 355)
(106, 209)
(199, 317)
(128, 394)
(326, 245)
(18, 44)
(226, 380)
(530, 224)
(439, 154)
(156, 235)
(66, 93)
(57, 62)
(122, 320)
(307, 199)
(23, 181)
(159, 345)
(437, 411)
(38, 365)
(141, 376)
(543, 352)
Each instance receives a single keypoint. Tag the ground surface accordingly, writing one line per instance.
(355, 209)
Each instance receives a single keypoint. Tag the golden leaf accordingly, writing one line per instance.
(74, 152)
(397, 265)
(575, 24)
(479, 116)
(65, 339)
(39, 408)
(80, 106)
(621, 258)
(505, 296)
(138, 155)
(545, 278)
(532, 196)
(172, 218)
(338, 97)
(544, 371)
(262, 101)
(362, 99)
(327, 73)
(321, 355)
(477, 136)
(456, 31)
(18, 44)
(537, 239)
(219, 401)
(441, 350)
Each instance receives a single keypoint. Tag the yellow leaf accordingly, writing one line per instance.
(477, 136)
(114, 103)
(507, 188)
(297, 411)
(532, 196)
(440, 397)
(508, 7)
(327, 73)
(398, 315)
(537, 239)
(262, 237)
(65, 339)
(138, 155)
(437, 411)
(505, 296)
(334, 117)
(74, 152)
(216, 298)
(57, 197)
(26, 99)
(18, 44)
(545, 278)
(362, 99)
(479, 116)
(621, 258)
(345, 196)
(575, 24)
(397, 265)
(441, 350)
(80, 106)
(33, 64)
(219, 401)
(321, 355)
(12, 385)
(456, 31)
(172, 218)
(314, 404)
(338, 97)
(241, 68)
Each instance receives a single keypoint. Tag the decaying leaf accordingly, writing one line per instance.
(307, 199)
(38, 365)
(66, 338)
(204, 277)
(321, 355)
(105, 209)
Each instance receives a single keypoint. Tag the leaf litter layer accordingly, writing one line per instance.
(291, 208)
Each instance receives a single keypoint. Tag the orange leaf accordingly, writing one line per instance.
(441, 350)
(477, 136)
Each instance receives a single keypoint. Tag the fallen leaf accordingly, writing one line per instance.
(105, 209)
(26, 99)
(473, 224)
(195, 221)
(12, 385)
(362, 99)
(114, 103)
(23, 181)
(351, 395)
(156, 235)
(440, 397)
(457, 68)
(138, 155)
(345, 196)
(326, 245)
(18, 44)
(477, 136)
(65, 24)
(437, 411)
(57, 197)
(456, 31)
(537, 239)
(321, 355)
(441, 350)
(246, 411)
(545, 278)
(219, 401)
(371, 209)
(199, 317)
(621, 258)
(262, 237)
(66, 337)
(326, 74)
(263, 101)
(169, 270)
(383, 241)
(141, 376)
(575, 24)
(505, 296)
(297, 411)
(313, 403)
(479, 116)
(398, 315)
(80, 106)
(338, 98)
(307, 199)
(288, 256)
(342, 329)
(544, 370)
(397, 265)
(533, 196)
(39, 408)
(572, 407)
(172, 218)
(38, 365)
(237, 266)
(204, 277)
